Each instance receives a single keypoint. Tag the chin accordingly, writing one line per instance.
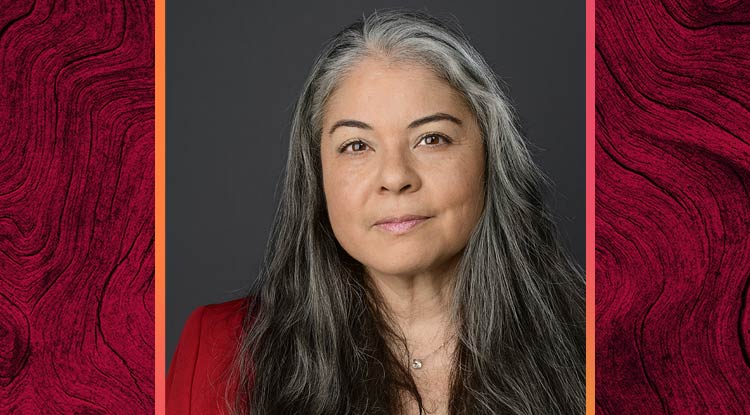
(398, 267)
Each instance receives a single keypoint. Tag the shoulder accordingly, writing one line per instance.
(223, 317)
(216, 327)
(197, 376)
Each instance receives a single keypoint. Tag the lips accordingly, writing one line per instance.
(397, 219)
(401, 224)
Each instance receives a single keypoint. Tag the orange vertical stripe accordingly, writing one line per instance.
(159, 371)
(590, 212)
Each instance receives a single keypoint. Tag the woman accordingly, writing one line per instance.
(412, 265)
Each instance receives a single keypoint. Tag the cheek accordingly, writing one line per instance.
(464, 193)
(342, 193)
(476, 196)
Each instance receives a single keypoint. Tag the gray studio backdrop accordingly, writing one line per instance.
(234, 70)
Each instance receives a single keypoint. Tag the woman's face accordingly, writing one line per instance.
(400, 145)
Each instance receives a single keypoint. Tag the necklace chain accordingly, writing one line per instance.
(418, 363)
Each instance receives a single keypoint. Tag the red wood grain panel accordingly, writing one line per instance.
(76, 207)
(673, 208)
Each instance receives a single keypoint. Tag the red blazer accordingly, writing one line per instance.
(197, 378)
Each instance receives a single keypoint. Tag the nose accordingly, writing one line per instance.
(397, 173)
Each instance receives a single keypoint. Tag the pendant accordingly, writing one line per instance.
(416, 363)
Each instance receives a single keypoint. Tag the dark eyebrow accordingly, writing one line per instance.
(440, 116)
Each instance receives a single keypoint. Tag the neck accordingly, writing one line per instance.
(419, 303)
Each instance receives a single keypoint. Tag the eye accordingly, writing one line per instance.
(433, 139)
(357, 146)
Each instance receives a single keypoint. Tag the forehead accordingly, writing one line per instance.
(377, 88)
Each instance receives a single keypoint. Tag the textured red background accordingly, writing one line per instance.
(672, 206)
(76, 207)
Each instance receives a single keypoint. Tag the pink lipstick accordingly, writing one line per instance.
(400, 225)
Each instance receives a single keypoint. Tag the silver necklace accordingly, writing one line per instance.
(418, 363)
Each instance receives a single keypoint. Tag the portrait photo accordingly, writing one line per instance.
(375, 208)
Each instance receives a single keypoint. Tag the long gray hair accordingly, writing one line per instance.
(316, 335)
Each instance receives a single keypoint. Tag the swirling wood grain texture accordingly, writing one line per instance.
(672, 207)
(76, 207)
